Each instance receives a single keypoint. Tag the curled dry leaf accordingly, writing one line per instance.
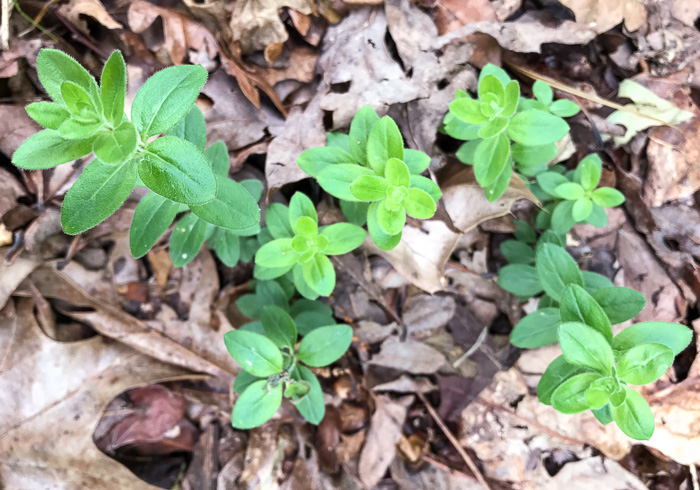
(411, 356)
(46, 440)
(74, 9)
(602, 16)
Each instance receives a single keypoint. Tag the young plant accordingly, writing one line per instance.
(499, 117)
(596, 368)
(274, 368)
(85, 118)
(372, 170)
(300, 246)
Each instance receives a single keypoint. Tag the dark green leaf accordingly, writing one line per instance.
(517, 252)
(152, 217)
(47, 149)
(673, 335)
(113, 89)
(187, 239)
(355, 212)
(277, 220)
(619, 304)
(255, 353)
(537, 329)
(312, 407)
(227, 246)
(256, 405)
(243, 380)
(579, 306)
(114, 146)
(217, 156)
(556, 270)
(319, 274)
(562, 218)
(603, 415)
(521, 280)
(324, 345)
(191, 128)
(556, 373)
(279, 326)
(99, 191)
(166, 97)
(570, 396)
(233, 207)
(176, 169)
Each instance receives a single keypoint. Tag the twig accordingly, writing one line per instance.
(694, 476)
(480, 340)
(35, 24)
(454, 441)
(5, 26)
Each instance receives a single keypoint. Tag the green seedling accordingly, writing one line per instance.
(505, 131)
(377, 180)
(300, 246)
(273, 367)
(86, 118)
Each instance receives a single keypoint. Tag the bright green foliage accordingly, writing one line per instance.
(86, 118)
(300, 246)
(272, 364)
(377, 180)
(505, 131)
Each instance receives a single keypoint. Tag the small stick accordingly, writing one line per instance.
(454, 441)
(694, 476)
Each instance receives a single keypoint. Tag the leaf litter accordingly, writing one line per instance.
(428, 317)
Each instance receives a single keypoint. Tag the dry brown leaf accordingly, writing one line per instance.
(603, 15)
(19, 48)
(52, 396)
(256, 24)
(384, 432)
(12, 274)
(74, 9)
(10, 190)
(115, 323)
(15, 127)
(424, 313)
(411, 356)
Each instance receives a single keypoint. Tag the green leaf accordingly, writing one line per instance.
(494, 127)
(534, 127)
(166, 97)
(191, 128)
(256, 405)
(549, 181)
(531, 156)
(490, 84)
(76, 127)
(396, 173)
(338, 140)
(634, 416)
(49, 114)
(187, 239)
(556, 269)
(564, 108)
(673, 335)
(384, 142)
(562, 217)
(601, 390)
(152, 217)
(607, 197)
(427, 185)
(277, 253)
(581, 209)
(113, 89)
(227, 246)
(254, 188)
(570, 396)
(369, 188)
(55, 67)
(416, 161)
(300, 205)
(319, 274)
(324, 345)
(619, 304)
(176, 169)
(490, 159)
(592, 281)
(233, 207)
(296, 391)
(556, 373)
(279, 326)
(468, 110)
(466, 153)
(255, 353)
(391, 221)
(243, 380)
(99, 191)
(579, 306)
(537, 329)
(589, 169)
(337, 179)
(217, 156)
(521, 280)
(114, 146)
(542, 92)
(47, 149)
(360, 129)
(76, 98)
(524, 232)
(314, 160)
(420, 204)
(355, 212)
(569, 190)
(306, 227)
(603, 414)
(378, 235)
(312, 407)
(496, 71)
(301, 285)
(517, 252)
(459, 129)
(512, 96)
(584, 346)
(277, 220)
(644, 363)
(343, 238)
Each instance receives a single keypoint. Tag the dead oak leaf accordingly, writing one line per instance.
(52, 395)
(256, 24)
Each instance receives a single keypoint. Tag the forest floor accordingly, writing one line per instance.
(114, 373)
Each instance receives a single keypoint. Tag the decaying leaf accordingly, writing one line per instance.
(645, 103)
(602, 16)
(411, 356)
(74, 9)
(53, 394)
